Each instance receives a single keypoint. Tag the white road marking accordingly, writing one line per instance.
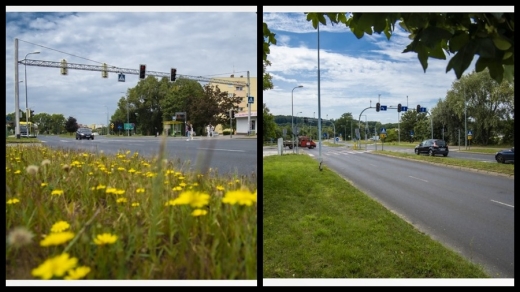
(503, 203)
(418, 178)
(222, 149)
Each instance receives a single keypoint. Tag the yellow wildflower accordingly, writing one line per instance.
(119, 192)
(131, 170)
(60, 226)
(177, 188)
(44, 184)
(105, 238)
(135, 204)
(100, 187)
(56, 266)
(199, 212)
(140, 190)
(57, 192)
(57, 238)
(121, 200)
(195, 199)
(17, 172)
(13, 201)
(220, 188)
(241, 197)
(182, 184)
(77, 273)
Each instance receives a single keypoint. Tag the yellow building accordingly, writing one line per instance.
(242, 115)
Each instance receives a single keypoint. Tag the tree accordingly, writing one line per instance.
(269, 126)
(488, 35)
(71, 125)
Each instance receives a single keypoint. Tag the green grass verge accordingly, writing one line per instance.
(317, 225)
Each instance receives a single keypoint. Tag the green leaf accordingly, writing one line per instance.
(438, 52)
(342, 18)
(501, 43)
(461, 61)
(422, 55)
(485, 48)
(432, 36)
(496, 71)
(482, 63)
(459, 40)
(321, 18)
(509, 73)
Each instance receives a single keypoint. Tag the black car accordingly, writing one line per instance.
(84, 133)
(504, 156)
(432, 147)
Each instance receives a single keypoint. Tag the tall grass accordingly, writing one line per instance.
(159, 220)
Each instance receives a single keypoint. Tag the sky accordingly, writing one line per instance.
(354, 73)
(198, 41)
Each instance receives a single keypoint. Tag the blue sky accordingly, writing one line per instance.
(354, 73)
(198, 41)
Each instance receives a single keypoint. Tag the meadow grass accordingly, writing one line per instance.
(317, 225)
(78, 215)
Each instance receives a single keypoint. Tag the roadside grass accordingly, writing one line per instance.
(317, 225)
(507, 168)
(72, 214)
(9, 140)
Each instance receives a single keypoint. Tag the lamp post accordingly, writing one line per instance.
(297, 123)
(127, 117)
(292, 114)
(108, 131)
(26, 103)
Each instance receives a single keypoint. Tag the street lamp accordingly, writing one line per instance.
(127, 117)
(108, 131)
(26, 104)
(297, 123)
(292, 114)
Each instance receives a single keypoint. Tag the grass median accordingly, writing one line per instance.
(317, 225)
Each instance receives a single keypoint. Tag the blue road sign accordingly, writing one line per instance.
(8, 118)
(337, 139)
(250, 99)
(383, 108)
(119, 127)
(411, 133)
(423, 110)
(470, 133)
(404, 108)
(121, 77)
(383, 131)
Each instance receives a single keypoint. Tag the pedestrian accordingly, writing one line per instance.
(191, 131)
(212, 129)
(188, 130)
(208, 129)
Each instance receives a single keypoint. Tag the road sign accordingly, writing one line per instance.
(357, 133)
(383, 108)
(8, 118)
(382, 135)
(121, 77)
(129, 126)
(404, 108)
(411, 133)
(383, 131)
(423, 110)
(337, 139)
(112, 125)
(470, 133)
(251, 99)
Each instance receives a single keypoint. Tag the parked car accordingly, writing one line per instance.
(432, 147)
(84, 133)
(504, 156)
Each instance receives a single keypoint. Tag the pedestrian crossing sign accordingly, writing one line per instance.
(251, 99)
(121, 77)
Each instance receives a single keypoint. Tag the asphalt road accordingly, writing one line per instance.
(469, 212)
(224, 154)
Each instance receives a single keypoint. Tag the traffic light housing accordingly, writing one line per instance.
(305, 120)
(173, 74)
(418, 108)
(31, 113)
(142, 71)
(399, 108)
(378, 106)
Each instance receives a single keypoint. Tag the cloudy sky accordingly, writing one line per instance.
(199, 41)
(354, 73)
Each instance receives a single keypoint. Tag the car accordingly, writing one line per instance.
(432, 147)
(84, 133)
(504, 156)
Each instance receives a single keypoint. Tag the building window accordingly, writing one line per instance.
(230, 94)
(239, 88)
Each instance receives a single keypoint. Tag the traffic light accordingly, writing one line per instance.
(305, 120)
(418, 108)
(399, 108)
(232, 114)
(173, 74)
(142, 71)
(31, 114)
(378, 106)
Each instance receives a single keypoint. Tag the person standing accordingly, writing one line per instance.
(191, 131)
(188, 130)
(211, 129)
(208, 129)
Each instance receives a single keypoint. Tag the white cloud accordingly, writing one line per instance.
(209, 44)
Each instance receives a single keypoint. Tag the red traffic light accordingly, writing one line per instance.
(142, 71)
(173, 74)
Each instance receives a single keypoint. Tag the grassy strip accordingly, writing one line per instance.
(317, 225)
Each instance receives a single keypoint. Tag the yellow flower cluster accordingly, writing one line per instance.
(59, 265)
